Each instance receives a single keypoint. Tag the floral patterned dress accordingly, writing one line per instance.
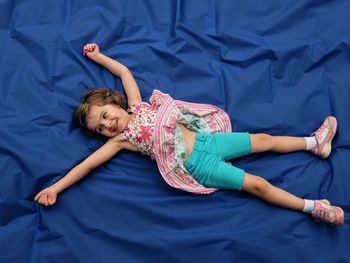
(155, 131)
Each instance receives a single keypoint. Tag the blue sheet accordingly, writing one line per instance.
(278, 67)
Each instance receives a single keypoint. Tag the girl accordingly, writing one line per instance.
(190, 142)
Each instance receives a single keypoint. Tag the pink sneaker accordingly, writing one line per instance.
(324, 211)
(324, 136)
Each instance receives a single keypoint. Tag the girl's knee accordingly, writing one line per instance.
(255, 185)
(261, 186)
(261, 142)
(264, 137)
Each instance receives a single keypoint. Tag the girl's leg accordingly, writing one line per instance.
(263, 142)
(263, 189)
(210, 170)
(320, 144)
(321, 210)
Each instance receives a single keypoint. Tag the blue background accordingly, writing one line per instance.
(278, 67)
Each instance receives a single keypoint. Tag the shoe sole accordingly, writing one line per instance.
(328, 146)
(342, 216)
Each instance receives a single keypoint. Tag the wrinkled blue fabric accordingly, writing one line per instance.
(278, 67)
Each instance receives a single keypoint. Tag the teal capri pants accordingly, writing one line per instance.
(207, 162)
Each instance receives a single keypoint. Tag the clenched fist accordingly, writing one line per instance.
(46, 197)
(91, 50)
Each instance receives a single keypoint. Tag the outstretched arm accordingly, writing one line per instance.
(48, 196)
(129, 84)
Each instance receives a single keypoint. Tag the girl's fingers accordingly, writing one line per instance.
(90, 47)
(36, 198)
(48, 200)
(45, 200)
(51, 201)
(41, 199)
(86, 49)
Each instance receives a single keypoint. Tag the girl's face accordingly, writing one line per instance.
(108, 120)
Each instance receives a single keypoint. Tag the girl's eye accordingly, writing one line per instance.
(104, 115)
(99, 129)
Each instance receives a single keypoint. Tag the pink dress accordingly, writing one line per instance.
(155, 132)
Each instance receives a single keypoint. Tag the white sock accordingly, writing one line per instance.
(309, 206)
(310, 142)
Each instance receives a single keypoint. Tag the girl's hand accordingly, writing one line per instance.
(91, 50)
(46, 197)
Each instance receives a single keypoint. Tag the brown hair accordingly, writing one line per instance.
(96, 96)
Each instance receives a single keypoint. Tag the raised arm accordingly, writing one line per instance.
(48, 196)
(129, 84)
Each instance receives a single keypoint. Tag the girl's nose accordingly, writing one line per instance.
(107, 123)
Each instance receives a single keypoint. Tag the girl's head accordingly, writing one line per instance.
(101, 112)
